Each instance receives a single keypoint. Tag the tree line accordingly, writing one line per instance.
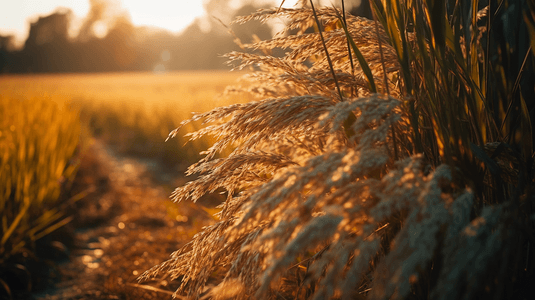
(50, 48)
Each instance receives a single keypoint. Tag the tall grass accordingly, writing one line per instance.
(38, 143)
(134, 112)
(382, 160)
(45, 120)
(137, 121)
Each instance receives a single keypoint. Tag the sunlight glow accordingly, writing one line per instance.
(16, 16)
(171, 15)
(175, 16)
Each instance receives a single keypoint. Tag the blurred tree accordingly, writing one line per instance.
(121, 44)
(48, 43)
(246, 32)
(96, 13)
(197, 49)
(220, 9)
(7, 42)
(50, 29)
(6, 55)
(151, 43)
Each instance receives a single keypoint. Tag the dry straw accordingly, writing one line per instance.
(328, 196)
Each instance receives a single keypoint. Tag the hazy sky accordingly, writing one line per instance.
(174, 15)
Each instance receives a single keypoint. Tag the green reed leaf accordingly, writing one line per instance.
(362, 61)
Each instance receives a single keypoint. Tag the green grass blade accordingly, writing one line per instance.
(362, 61)
(327, 52)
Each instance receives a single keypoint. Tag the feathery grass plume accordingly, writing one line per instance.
(319, 207)
(306, 47)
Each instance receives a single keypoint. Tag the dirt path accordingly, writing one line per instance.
(126, 225)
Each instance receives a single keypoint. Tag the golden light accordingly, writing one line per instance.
(171, 15)
(16, 16)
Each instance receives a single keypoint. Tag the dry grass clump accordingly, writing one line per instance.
(39, 139)
(344, 183)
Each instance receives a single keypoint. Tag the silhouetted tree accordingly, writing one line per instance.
(120, 44)
(95, 14)
(48, 43)
(6, 55)
(196, 49)
(49, 48)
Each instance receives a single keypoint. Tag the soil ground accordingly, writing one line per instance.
(123, 226)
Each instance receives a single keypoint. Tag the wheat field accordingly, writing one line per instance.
(47, 122)
(39, 140)
(134, 112)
